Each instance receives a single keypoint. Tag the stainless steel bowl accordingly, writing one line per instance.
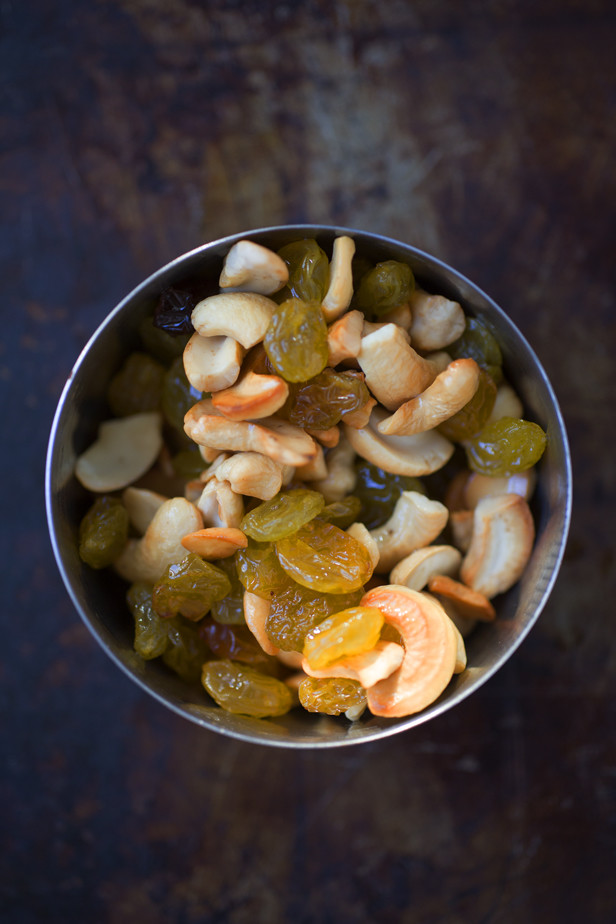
(99, 597)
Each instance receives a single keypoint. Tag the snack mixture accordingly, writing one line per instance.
(314, 482)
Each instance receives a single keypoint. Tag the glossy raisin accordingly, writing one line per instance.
(187, 651)
(230, 609)
(479, 343)
(330, 695)
(343, 512)
(189, 587)
(321, 403)
(151, 631)
(245, 691)
(378, 492)
(296, 340)
(308, 270)
(505, 447)
(173, 311)
(283, 514)
(383, 288)
(346, 633)
(473, 416)
(296, 609)
(234, 642)
(324, 558)
(258, 569)
(103, 532)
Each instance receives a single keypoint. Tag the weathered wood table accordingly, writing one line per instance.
(133, 130)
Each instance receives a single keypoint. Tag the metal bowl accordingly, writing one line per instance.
(99, 597)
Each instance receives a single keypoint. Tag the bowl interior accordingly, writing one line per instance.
(99, 597)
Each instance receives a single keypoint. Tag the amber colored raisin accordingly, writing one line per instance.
(187, 651)
(296, 340)
(474, 415)
(230, 609)
(234, 642)
(321, 403)
(343, 512)
(259, 570)
(296, 609)
(103, 532)
(323, 557)
(283, 514)
(505, 447)
(308, 269)
(245, 691)
(137, 387)
(151, 631)
(189, 587)
(346, 633)
(330, 695)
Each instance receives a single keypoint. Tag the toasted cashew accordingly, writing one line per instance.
(437, 321)
(344, 337)
(249, 473)
(244, 316)
(416, 569)
(361, 532)
(252, 397)
(146, 559)
(256, 611)
(367, 668)
(341, 477)
(447, 394)
(415, 522)
(215, 542)
(501, 544)
(394, 371)
(416, 455)
(212, 363)
(468, 602)
(431, 644)
(124, 450)
(220, 505)
(249, 267)
(141, 506)
(328, 438)
(340, 292)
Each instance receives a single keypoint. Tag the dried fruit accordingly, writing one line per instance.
(173, 311)
(103, 532)
(296, 340)
(190, 587)
(383, 288)
(330, 695)
(137, 387)
(245, 691)
(478, 343)
(379, 491)
(159, 343)
(474, 415)
(151, 632)
(282, 515)
(296, 609)
(347, 633)
(308, 269)
(343, 512)
(505, 447)
(234, 642)
(186, 651)
(322, 402)
(322, 557)
(258, 569)
(230, 609)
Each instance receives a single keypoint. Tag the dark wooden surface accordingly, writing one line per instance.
(133, 130)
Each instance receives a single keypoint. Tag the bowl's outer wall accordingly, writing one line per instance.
(99, 598)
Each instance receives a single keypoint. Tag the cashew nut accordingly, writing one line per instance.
(361, 532)
(479, 486)
(141, 506)
(147, 558)
(344, 337)
(328, 438)
(124, 450)
(468, 602)
(249, 473)
(447, 394)
(244, 316)
(416, 569)
(215, 542)
(367, 668)
(252, 397)
(256, 611)
(437, 321)
(212, 363)
(220, 505)
(394, 371)
(461, 524)
(315, 470)
(415, 455)
(415, 522)
(507, 404)
(431, 651)
(340, 479)
(401, 315)
(501, 544)
(250, 267)
(340, 292)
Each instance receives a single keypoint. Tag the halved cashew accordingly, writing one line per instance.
(416, 569)
(256, 611)
(252, 397)
(249, 473)
(479, 486)
(447, 394)
(340, 292)
(416, 455)
(461, 523)
(341, 476)
(147, 558)
(212, 363)
(344, 337)
(394, 371)
(215, 542)
(220, 505)
(431, 651)
(367, 668)
(124, 449)
(437, 321)
(244, 316)
(141, 506)
(361, 532)
(501, 544)
(315, 470)
(249, 267)
(328, 438)
(507, 404)
(468, 602)
(275, 438)
(415, 522)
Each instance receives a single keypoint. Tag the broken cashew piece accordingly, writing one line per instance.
(468, 602)
(431, 651)
(124, 450)
(340, 292)
(507, 404)
(141, 505)
(416, 521)
(147, 558)
(252, 397)
(244, 316)
(394, 371)
(367, 668)
(501, 544)
(212, 363)
(220, 505)
(250, 267)
(215, 542)
(479, 486)
(344, 337)
(249, 473)
(437, 321)
(256, 611)
(415, 570)
(447, 394)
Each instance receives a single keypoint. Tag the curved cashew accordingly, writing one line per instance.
(340, 292)
(220, 505)
(367, 668)
(315, 470)
(341, 476)
(141, 506)
(244, 316)
(212, 363)
(147, 558)
(501, 544)
(275, 438)
(252, 397)
(447, 394)
(416, 455)
(461, 523)
(468, 602)
(215, 542)
(328, 438)
(416, 569)
(480, 486)
(249, 267)
(507, 404)
(256, 611)
(415, 522)
(124, 450)
(437, 321)
(360, 417)
(431, 651)
(394, 371)
(362, 534)
(344, 337)
(249, 473)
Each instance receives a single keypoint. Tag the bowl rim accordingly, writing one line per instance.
(399, 725)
